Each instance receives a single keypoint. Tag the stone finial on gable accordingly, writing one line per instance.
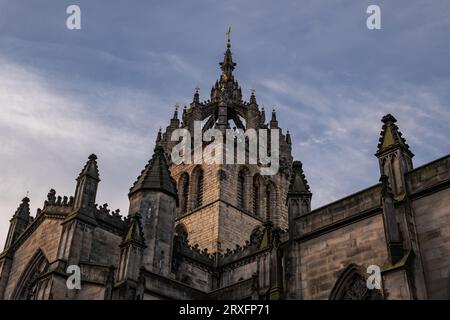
(391, 137)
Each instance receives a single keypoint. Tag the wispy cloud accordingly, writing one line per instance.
(108, 87)
(46, 138)
(338, 129)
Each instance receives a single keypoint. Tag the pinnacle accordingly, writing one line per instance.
(91, 168)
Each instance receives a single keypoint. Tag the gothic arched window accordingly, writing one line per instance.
(242, 189)
(271, 200)
(352, 285)
(199, 182)
(184, 188)
(30, 286)
(256, 196)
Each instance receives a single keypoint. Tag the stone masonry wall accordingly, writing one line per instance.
(235, 227)
(105, 247)
(322, 257)
(203, 227)
(46, 237)
(433, 226)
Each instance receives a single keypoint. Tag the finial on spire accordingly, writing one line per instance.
(158, 139)
(390, 136)
(228, 33)
(389, 118)
(273, 121)
(91, 168)
(288, 138)
(252, 96)
(175, 113)
(227, 65)
(196, 94)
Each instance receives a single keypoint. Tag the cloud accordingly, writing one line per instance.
(336, 129)
(108, 87)
(47, 137)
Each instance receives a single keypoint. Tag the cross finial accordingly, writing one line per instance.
(228, 37)
(252, 91)
(28, 193)
(197, 88)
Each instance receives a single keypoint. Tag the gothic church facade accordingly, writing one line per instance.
(225, 231)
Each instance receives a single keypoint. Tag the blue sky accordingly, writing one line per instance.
(108, 87)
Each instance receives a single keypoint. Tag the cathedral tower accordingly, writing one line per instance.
(154, 198)
(220, 204)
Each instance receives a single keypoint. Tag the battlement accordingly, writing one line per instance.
(61, 205)
(111, 220)
(263, 238)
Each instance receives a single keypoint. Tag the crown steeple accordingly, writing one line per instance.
(227, 65)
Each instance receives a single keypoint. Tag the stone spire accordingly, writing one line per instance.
(175, 112)
(184, 117)
(86, 189)
(156, 175)
(394, 156)
(253, 97)
(253, 118)
(299, 184)
(154, 197)
(91, 168)
(391, 137)
(273, 121)
(263, 117)
(196, 95)
(135, 233)
(23, 211)
(298, 198)
(288, 138)
(158, 139)
(227, 65)
(18, 222)
(131, 251)
(226, 88)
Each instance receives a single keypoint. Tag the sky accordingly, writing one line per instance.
(108, 87)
